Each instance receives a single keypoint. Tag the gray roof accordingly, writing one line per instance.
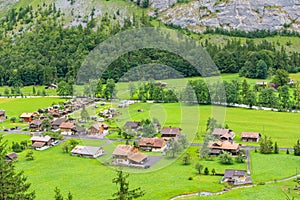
(47, 138)
(58, 121)
(86, 150)
(229, 173)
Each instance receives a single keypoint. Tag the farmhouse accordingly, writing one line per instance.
(236, 177)
(79, 130)
(170, 132)
(27, 117)
(35, 125)
(98, 129)
(2, 115)
(66, 128)
(39, 141)
(87, 151)
(250, 137)
(11, 157)
(132, 125)
(152, 144)
(51, 87)
(223, 134)
(217, 147)
(128, 154)
(56, 123)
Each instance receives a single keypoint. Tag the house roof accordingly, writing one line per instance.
(155, 142)
(98, 126)
(38, 144)
(250, 135)
(137, 157)
(66, 125)
(77, 128)
(170, 131)
(58, 121)
(27, 115)
(130, 151)
(123, 150)
(220, 131)
(229, 135)
(46, 138)
(36, 122)
(12, 155)
(86, 150)
(132, 124)
(224, 145)
(2, 112)
(230, 173)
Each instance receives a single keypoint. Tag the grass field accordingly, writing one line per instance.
(281, 126)
(52, 167)
(14, 107)
(28, 90)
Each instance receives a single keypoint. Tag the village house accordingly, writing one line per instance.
(170, 132)
(87, 151)
(98, 129)
(223, 134)
(35, 125)
(40, 141)
(56, 123)
(66, 128)
(11, 157)
(128, 155)
(134, 126)
(250, 137)
(2, 115)
(220, 146)
(236, 177)
(79, 130)
(152, 144)
(27, 117)
(51, 87)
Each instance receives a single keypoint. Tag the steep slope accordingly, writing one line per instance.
(248, 15)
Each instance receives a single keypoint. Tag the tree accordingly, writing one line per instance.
(186, 159)
(188, 94)
(226, 158)
(13, 184)
(205, 150)
(123, 192)
(266, 145)
(297, 148)
(206, 171)
(59, 196)
(46, 125)
(183, 141)
(132, 89)
(33, 91)
(29, 155)
(211, 124)
(213, 171)
(13, 119)
(199, 167)
(250, 98)
(69, 145)
(281, 77)
(261, 69)
(240, 158)
(84, 114)
(173, 147)
(284, 96)
(110, 90)
(276, 149)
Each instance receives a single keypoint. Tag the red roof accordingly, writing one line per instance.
(155, 142)
(66, 125)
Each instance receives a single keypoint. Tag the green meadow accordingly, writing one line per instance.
(280, 126)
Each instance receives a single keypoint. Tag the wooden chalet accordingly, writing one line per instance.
(11, 157)
(2, 115)
(134, 126)
(35, 125)
(40, 141)
(27, 117)
(236, 177)
(223, 134)
(66, 128)
(170, 132)
(220, 146)
(56, 123)
(128, 154)
(98, 129)
(87, 151)
(51, 87)
(152, 144)
(250, 137)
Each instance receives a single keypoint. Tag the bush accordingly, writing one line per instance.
(190, 178)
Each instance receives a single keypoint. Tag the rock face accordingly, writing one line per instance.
(248, 15)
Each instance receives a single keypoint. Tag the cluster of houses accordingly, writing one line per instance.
(264, 84)
(224, 141)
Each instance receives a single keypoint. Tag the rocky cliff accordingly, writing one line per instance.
(245, 15)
